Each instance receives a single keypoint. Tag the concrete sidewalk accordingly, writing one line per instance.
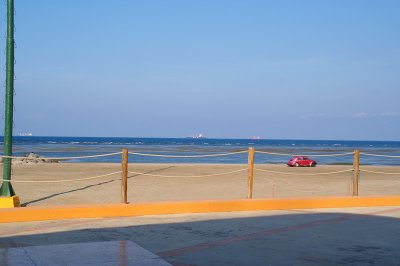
(81, 254)
(349, 236)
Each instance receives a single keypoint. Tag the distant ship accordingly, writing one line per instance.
(25, 134)
(198, 136)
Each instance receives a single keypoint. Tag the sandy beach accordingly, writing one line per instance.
(316, 236)
(175, 182)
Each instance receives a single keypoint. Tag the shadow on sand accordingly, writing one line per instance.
(25, 204)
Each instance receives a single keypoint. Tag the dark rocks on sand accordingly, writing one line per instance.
(33, 158)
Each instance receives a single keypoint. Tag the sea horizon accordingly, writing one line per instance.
(189, 137)
(53, 146)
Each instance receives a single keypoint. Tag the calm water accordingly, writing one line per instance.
(80, 146)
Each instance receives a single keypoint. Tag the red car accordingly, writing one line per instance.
(301, 161)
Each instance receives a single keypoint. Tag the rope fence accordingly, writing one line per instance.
(186, 156)
(309, 174)
(64, 180)
(62, 158)
(250, 168)
(172, 176)
(305, 155)
(286, 185)
(380, 155)
(376, 172)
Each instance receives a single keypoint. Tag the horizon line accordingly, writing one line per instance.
(205, 138)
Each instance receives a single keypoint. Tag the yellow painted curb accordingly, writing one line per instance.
(9, 202)
(155, 208)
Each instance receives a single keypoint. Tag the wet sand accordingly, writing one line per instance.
(175, 182)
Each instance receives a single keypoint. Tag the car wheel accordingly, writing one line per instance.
(312, 164)
(296, 164)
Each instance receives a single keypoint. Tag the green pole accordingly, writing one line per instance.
(6, 188)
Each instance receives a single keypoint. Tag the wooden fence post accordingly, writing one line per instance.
(356, 166)
(250, 173)
(124, 177)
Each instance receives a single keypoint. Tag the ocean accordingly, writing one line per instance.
(83, 146)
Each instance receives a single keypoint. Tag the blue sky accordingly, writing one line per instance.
(226, 69)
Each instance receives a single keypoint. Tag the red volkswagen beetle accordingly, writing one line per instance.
(301, 161)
